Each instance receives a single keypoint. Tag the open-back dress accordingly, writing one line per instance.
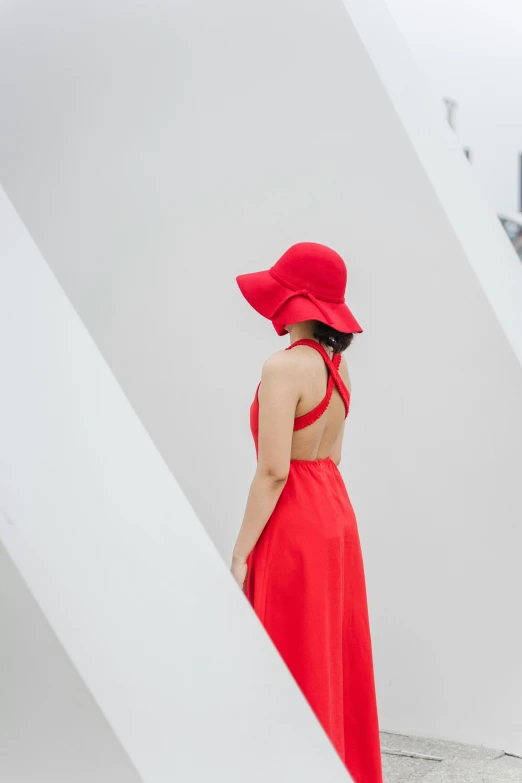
(306, 582)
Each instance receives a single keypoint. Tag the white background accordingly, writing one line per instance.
(472, 53)
(51, 729)
(156, 154)
(157, 630)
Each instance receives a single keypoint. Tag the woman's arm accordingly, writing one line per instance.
(278, 398)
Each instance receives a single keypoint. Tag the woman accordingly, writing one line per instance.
(297, 555)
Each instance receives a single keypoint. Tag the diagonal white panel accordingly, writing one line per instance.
(123, 571)
(156, 152)
(51, 729)
(498, 270)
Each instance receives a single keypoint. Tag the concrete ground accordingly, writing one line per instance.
(412, 759)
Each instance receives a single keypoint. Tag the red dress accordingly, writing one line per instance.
(305, 580)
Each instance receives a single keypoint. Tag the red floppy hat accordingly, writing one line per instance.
(307, 282)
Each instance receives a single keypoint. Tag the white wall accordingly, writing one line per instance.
(154, 154)
(472, 54)
(124, 574)
(51, 729)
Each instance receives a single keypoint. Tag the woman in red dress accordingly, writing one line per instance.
(297, 554)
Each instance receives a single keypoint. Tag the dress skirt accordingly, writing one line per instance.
(306, 582)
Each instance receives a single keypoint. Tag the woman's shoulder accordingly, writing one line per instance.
(283, 363)
(293, 366)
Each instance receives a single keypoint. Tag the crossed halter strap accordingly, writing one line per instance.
(333, 379)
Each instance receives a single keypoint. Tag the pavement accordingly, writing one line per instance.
(408, 759)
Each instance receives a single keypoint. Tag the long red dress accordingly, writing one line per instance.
(306, 582)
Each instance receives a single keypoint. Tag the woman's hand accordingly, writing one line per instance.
(239, 570)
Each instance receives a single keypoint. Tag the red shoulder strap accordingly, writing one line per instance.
(333, 378)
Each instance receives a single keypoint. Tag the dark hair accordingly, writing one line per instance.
(329, 336)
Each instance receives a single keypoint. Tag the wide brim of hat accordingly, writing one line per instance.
(266, 295)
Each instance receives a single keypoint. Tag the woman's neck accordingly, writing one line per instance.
(301, 331)
(304, 331)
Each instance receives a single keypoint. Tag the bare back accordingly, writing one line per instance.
(319, 439)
